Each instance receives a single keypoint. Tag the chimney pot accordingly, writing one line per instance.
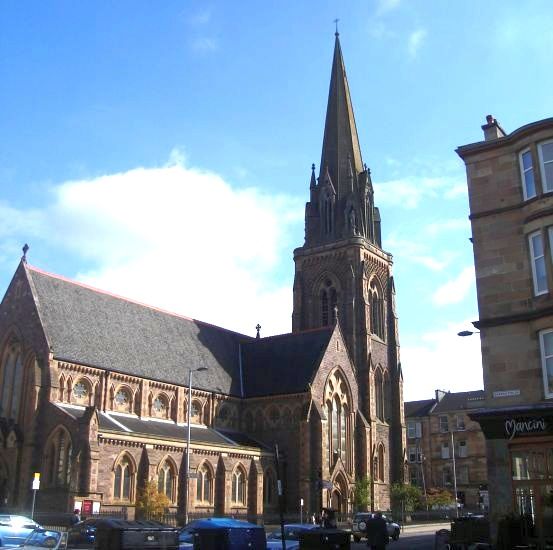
(489, 119)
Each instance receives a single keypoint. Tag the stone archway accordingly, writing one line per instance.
(339, 495)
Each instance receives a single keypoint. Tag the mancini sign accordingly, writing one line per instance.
(525, 426)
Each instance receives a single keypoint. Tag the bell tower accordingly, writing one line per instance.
(343, 271)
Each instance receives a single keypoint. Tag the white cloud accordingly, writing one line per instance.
(440, 359)
(178, 238)
(437, 228)
(419, 252)
(204, 44)
(456, 290)
(385, 6)
(200, 18)
(415, 41)
(409, 192)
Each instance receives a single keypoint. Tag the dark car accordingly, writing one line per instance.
(194, 528)
(15, 529)
(83, 534)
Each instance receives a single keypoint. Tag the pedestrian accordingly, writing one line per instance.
(76, 517)
(313, 519)
(377, 532)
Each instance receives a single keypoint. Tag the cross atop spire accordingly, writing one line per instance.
(340, 135)
(336, 23)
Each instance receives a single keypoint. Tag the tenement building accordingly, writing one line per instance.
(510, 182)
(94, 392)
(439, 432)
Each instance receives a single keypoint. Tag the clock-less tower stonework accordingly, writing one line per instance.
(343, 275)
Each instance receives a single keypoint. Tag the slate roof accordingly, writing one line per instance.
(95, 328)
(92, 327)
(168, 431)
(456, 401)
(283, 364)
(418, 408)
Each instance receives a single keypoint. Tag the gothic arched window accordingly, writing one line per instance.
(338, 403)
(381, 462)
(58, 458)
(378, 394)
(269, 488)
(376, 310)
(239, 487)
(123, 483)
(166, 480)
(329, 301)
(12, 382)
(204, 484)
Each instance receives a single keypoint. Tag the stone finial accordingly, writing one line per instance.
(25, 250)
(258, 328)
(313, 182)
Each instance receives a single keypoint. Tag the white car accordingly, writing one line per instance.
(360, 524)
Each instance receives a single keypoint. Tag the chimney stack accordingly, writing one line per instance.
(492, 129)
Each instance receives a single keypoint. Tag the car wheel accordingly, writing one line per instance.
(356, 539)
(395, 536)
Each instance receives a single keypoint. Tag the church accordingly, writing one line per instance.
(94, 387)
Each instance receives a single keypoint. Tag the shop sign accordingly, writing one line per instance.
(524, 426)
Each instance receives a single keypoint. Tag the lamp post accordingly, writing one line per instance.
(187, 461)
(454, 474)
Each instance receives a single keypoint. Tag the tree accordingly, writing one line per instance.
(406, 496)
(439, 497)
(151, 502)
(362, 493)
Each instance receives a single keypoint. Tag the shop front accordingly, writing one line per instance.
(519, 443)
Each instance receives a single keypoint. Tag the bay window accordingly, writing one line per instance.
(527, 174)
(537, 260)
(545, 151)
(546, 350)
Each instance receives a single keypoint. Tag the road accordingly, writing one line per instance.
(417, 540)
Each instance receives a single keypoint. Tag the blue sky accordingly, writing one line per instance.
(162, 150)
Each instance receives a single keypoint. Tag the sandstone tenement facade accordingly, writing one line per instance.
(510, 183)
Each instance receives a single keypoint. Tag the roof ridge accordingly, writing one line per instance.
(130, 300)
(306, 331)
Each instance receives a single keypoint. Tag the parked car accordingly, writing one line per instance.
(83, 534)
(188, 532)
(291, 536)
(45, 538)
(15, 529)
(360, 524)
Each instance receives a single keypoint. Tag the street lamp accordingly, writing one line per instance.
(187, 461)
(468, 332)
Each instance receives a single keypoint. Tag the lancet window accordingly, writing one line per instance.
(339, 424)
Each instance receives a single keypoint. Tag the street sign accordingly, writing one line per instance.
(36, 481)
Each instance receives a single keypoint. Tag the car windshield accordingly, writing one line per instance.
(42, 538)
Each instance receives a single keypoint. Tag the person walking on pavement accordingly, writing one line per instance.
(377, 532)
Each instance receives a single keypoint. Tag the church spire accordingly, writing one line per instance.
(340, 135)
